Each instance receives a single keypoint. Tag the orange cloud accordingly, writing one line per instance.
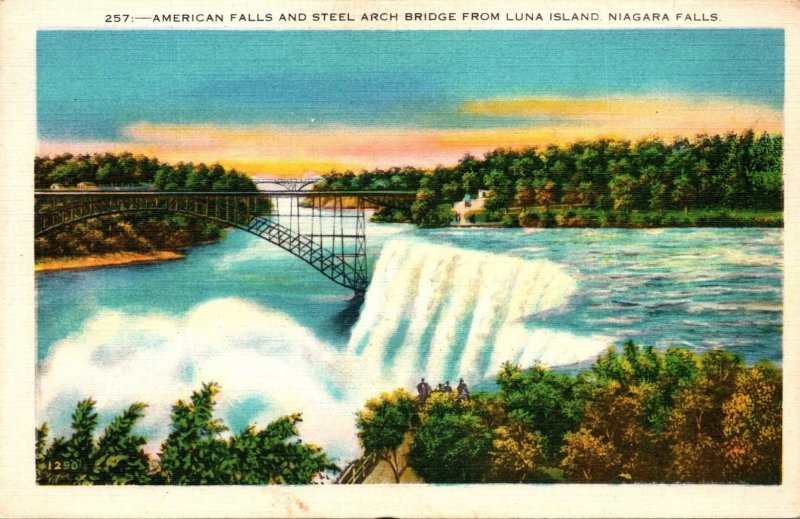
(668, 115)
(290, 151)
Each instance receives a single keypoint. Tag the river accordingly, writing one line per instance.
(446, 303)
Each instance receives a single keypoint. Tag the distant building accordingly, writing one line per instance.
(469, 204)
(57, 187)
(87, 186)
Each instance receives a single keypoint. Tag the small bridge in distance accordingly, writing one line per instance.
(326, 229)
(290, 184)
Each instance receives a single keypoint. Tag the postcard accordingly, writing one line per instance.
(355, 259)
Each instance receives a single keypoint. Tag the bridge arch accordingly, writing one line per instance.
(336, 250)
(116, 212)
(338, 255)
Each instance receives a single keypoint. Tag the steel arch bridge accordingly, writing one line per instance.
(327, 230)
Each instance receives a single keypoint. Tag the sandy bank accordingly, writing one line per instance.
(104, 260)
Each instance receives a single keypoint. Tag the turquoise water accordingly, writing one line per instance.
(700, 288)
(696, 287)
(281, 338)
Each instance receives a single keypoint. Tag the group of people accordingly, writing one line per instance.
(424, 389)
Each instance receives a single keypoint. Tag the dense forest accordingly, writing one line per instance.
(709, 180)
(196, 452)
(131, 233)
(127, 169)
(636, 416)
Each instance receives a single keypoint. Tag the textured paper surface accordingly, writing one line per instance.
(20, 497)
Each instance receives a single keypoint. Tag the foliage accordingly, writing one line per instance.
(136, 233)
(269, 456)
(115, 458)
(452, 444)
(126, 234)
(541, 400)
(517, 453)
(128, 170)
(637, 415)
(589, 459)
(195, 453)
(711, 173)
(429, 211)
(383, 424)
(120, 458)
(751, 426)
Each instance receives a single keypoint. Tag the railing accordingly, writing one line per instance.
(359, 470)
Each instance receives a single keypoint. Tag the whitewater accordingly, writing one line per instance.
(280, 339)
(431, 310)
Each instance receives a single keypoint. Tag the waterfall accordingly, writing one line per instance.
(444, 312)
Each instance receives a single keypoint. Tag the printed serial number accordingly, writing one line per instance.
(116, 18)
(63, 465)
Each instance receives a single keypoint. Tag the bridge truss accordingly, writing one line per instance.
(290, 184)
(327, 230)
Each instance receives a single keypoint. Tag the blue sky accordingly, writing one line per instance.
(142, 88)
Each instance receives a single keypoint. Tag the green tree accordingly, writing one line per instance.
(501, 186)
(383, 425)
(272, 456)
(452, 444)
(80, 448)
(194, 453)
(119, 458)
(623, 191)
(658, 196)
(544, 401)
(41, 453)
(683, 191)
(116, 458)
(428, 210)
(69, 174)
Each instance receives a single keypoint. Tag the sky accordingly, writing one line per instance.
(289, 102)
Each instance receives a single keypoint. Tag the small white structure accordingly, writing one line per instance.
(468, 204)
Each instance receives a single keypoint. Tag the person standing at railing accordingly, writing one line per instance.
(423, 390)
(463, 390)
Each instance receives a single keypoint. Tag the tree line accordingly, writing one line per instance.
(639, 415)
(196, 452)
(723, 172)
(145, 233)
(130, 170)
(138, 232)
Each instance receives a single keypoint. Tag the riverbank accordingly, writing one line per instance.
(104, 260)
(635, 219)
